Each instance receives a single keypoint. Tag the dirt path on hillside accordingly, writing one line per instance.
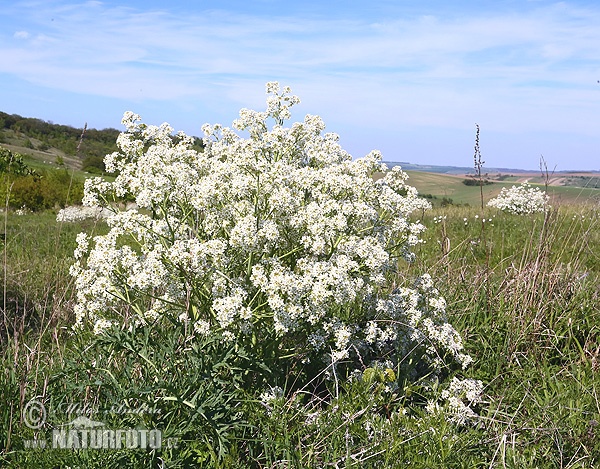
(557, 181)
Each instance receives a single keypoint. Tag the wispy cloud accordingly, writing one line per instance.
(532, 70)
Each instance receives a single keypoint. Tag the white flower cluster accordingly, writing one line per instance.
(102, 325)
(520, 200)
(417, 316)
(74, 213)
(22, 211)
(460, 396)
(271, 394)
(280, 235)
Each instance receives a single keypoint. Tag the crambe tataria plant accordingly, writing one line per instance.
(278, 241)
(520, 200)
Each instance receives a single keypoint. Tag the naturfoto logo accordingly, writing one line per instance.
(85, 433)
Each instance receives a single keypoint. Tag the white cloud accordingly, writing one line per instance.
(531, 70)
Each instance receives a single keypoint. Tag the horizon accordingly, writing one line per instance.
(409, 80)
(385, 161)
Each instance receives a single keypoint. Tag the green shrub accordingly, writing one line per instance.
(472, 181)
(43, 190)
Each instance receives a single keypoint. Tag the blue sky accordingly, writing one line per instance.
(410, 79)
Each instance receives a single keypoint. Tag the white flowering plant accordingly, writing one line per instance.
(74, 213)
(521, 200)
(278, 242)
(458, 400)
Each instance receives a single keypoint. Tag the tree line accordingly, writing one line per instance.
(95, 145)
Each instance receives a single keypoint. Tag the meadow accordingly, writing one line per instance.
(522, 291)
(452, 187)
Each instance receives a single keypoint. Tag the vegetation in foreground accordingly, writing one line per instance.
(521, 290)
(524, 293)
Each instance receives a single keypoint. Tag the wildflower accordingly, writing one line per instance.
(278, 237)
(520, 200)
(102, 325)
(202, 327)
(83, 241)
(73, 213)
(461, 395)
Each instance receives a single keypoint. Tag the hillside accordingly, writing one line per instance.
(492, 172)
(49, 144)
(45, 144)
(452, 188)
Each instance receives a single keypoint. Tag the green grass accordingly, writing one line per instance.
(37, 310)
(523, 291)
(444, 185)
(525, 294)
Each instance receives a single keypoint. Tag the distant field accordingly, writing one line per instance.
(450, 186)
